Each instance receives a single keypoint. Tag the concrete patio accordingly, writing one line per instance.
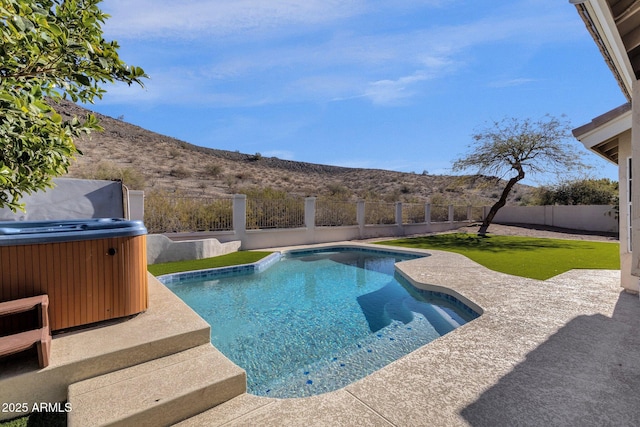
(561, 352)
(144, 370)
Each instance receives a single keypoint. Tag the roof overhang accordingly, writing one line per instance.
(615, 27)
(602, 135)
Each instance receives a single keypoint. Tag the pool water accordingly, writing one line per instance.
(317, 321)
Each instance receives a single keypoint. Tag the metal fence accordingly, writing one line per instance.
(477, 213)
(413, 213)
(460, 213)
(379, 213)
(331, 213)
(165, 213)
(275, 213)
(179, 213)
(439, 213)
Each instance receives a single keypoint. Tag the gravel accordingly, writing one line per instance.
(543, 231)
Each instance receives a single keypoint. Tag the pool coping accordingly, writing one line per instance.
(269, 260)
(522, 360)
(253, 267)
(263, 264)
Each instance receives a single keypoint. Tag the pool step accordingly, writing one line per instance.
(159, 392)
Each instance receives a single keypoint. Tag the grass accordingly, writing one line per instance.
(234, 258)
(38, 419)
(536, 258)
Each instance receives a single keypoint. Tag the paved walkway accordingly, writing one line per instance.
(561, 352)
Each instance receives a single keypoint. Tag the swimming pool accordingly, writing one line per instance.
(315, 321)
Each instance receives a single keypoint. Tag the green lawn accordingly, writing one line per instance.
(234, 258)
(522, 256)
(38, 419)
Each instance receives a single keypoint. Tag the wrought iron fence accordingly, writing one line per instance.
(413, 213)
(172, 213)
(477, 213)
(330, 213)
(164, 213)
(379, 213)
(439, 213)
(460, 213)
(275, 213)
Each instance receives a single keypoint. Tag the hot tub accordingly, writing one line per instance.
(92, 270)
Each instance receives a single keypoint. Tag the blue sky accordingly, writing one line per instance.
(388, 84)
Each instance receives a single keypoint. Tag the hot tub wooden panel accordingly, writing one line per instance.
(87, 280)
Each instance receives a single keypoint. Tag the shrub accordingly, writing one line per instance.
(107, 170)
(180, 172)
(213, 170)
(164, 212)
(266, 193)
(578, 192)
(338, 191)
(405, 189)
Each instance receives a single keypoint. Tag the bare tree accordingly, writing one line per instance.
(517, 147)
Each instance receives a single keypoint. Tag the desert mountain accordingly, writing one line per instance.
(153, 162)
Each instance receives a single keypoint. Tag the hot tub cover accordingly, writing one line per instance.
(30, 232)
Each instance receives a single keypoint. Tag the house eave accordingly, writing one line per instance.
(599, 21)
(601, 135)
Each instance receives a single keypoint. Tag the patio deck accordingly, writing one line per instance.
(560, 352)
(565, 351)
(167, 327)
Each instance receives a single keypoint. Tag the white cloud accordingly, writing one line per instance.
(511, 82)
(190, 19)
(175, 87)
(391, 91)
(204, 18)
(328, 87)
(345, 62)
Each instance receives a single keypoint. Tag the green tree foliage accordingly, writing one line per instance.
(518, 146)
(579, 192)
(50, 49)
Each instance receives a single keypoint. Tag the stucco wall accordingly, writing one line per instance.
(71, 199)
(588, 218)
(627, 281)
(261, 239)
(162, 249)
